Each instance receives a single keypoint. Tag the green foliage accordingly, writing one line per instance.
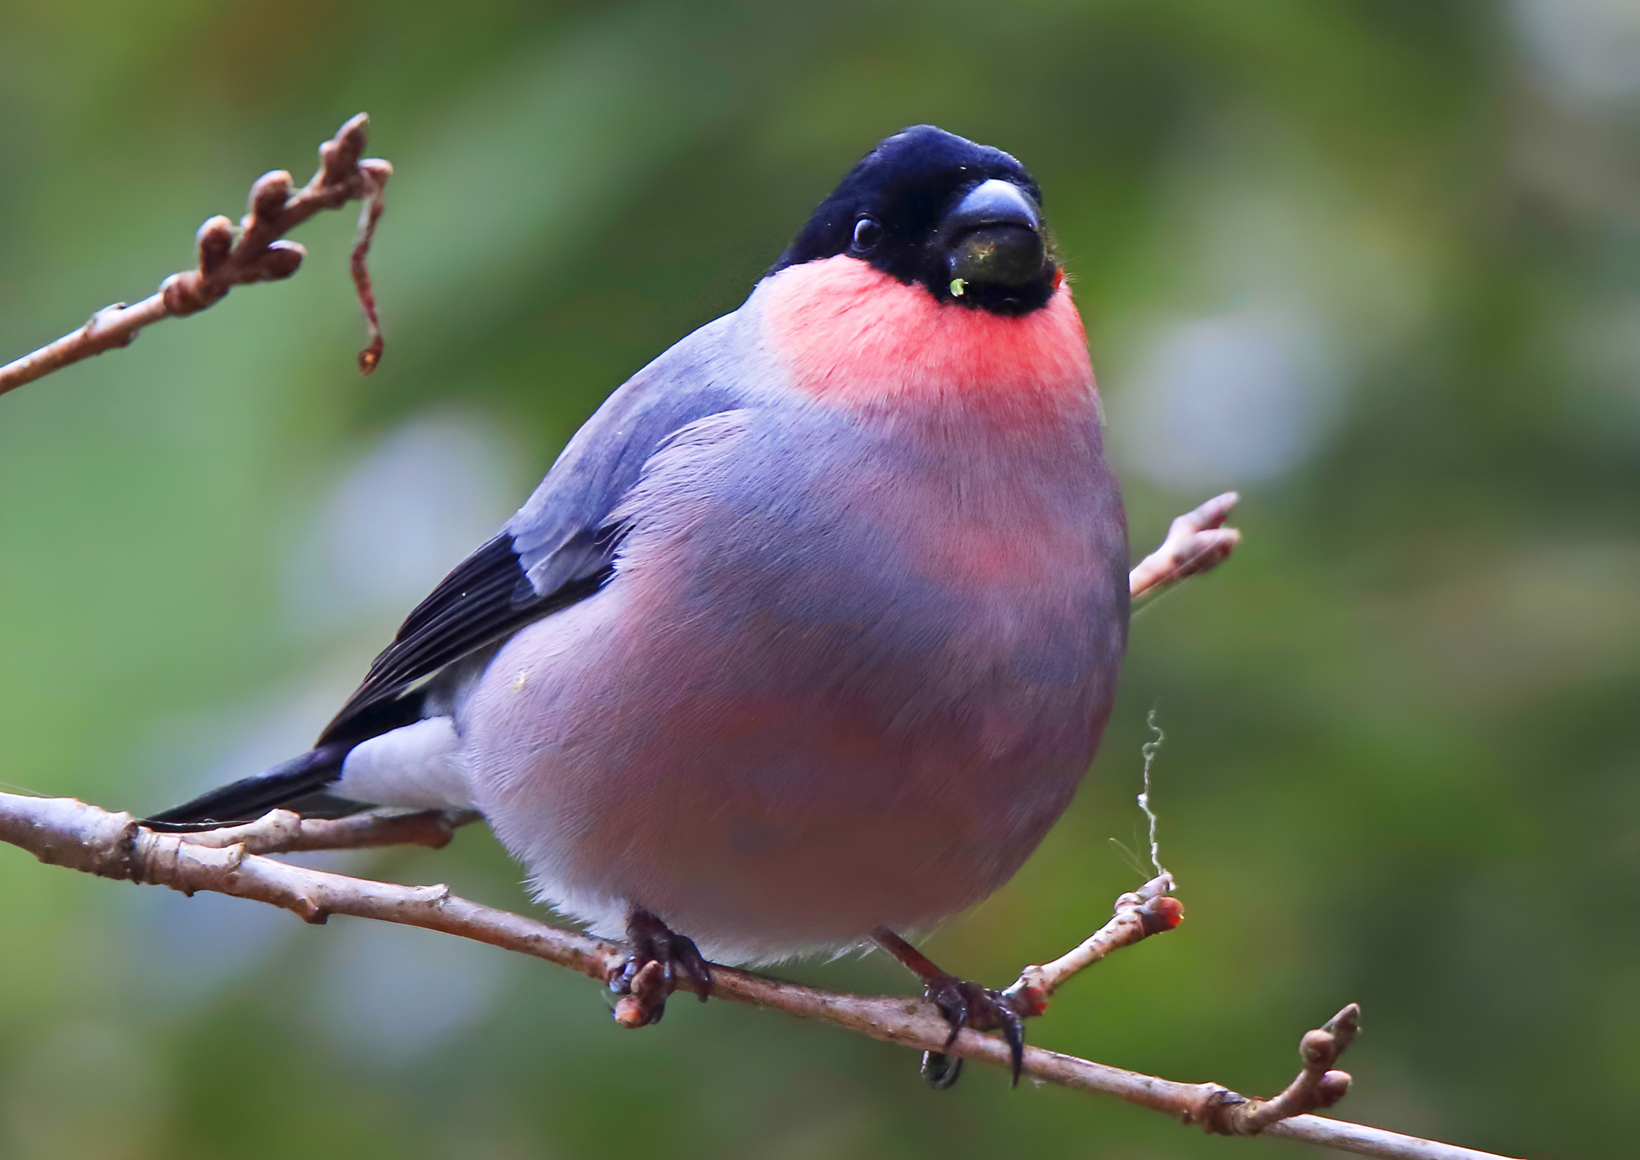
(1401, 765)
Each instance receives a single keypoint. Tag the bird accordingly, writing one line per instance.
(809, 634)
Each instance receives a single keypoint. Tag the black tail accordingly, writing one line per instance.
(298, 784)
(295, 782)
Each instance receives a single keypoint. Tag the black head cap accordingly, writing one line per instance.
(929, 207)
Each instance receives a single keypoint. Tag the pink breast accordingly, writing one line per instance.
(858, 338)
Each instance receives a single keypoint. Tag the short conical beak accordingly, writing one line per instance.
(997, 236)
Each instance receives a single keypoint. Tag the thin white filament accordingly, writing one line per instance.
(1149, 750)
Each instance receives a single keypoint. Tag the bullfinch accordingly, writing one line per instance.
(810, 632)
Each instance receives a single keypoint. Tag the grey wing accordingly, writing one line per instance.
(560, 547)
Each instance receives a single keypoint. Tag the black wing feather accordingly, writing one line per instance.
(485, 599)
(482, 601)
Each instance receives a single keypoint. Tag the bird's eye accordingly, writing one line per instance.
(867, 233)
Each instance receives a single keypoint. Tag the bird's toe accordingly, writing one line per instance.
(966, 1004)
(658, 959)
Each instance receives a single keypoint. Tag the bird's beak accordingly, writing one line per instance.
(996, 236)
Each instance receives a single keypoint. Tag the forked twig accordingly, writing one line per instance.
(1196, 542)
(1317, 1085)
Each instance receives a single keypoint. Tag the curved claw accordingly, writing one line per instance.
(1013, 1030)
(953, 1004)
(965, 1004)
(941, 1071)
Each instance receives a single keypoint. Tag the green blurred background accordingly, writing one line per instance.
(1375, 264)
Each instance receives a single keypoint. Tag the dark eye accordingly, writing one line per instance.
(867, 233)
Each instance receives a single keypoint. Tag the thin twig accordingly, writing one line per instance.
(283, 832)
(256, 252)
(1317, 1085)
(1196, 543)
(65, 832)
(1151, 909)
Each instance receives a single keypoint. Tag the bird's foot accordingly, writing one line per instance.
(658, 958)
(963, 1004)
(966, 1004)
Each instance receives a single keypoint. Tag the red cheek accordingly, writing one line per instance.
(857, 337)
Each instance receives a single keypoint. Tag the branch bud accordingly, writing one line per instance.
(341, 153)
(214, 240)
(281, 260)
(269, 194)
(1161, 914)
(185, 293)
(1317, 1048)
(1344, 1026)
(1333, 1087)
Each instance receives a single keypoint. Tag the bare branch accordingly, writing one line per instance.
(65, 832)
(257, 254)
(1196, 543)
